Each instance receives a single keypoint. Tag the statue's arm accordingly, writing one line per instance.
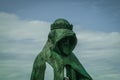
(57, 64)
(38, 69)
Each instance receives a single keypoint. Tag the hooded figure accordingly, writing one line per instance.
(58, 53)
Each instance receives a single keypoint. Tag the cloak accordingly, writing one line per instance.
(58, 53)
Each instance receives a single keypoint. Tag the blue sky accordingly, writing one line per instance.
(97, 15)
(25, 24)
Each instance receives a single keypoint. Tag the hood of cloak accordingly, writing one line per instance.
(61, 32)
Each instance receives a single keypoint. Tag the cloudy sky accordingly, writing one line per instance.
(25, 24)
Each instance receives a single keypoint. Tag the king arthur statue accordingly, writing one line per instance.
(58, 53)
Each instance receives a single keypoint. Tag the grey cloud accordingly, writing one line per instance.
(99, 53)
(22, 40)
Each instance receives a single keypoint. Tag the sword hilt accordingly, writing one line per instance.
(66, 78)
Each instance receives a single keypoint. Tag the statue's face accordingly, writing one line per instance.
(66, 45)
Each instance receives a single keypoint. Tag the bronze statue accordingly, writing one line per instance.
(58, 53)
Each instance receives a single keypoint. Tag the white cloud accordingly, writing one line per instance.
(13, 31)
(15, 28)
(100, 44)
(22, 40)
(99, 39)
(99, 53)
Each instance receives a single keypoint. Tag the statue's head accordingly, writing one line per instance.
(62, 37)
(61, 24)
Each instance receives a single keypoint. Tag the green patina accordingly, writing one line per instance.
(58, 53)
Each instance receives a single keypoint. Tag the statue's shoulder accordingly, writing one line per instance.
(46, 54)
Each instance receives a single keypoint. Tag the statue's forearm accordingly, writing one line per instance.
(38, 69)
(37, 75)
(38, 72)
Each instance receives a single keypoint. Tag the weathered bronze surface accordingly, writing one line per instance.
(58, 53)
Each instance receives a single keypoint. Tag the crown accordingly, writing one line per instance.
(61, 24)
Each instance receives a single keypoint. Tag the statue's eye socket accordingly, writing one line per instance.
(67, 40)
(64, 40)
